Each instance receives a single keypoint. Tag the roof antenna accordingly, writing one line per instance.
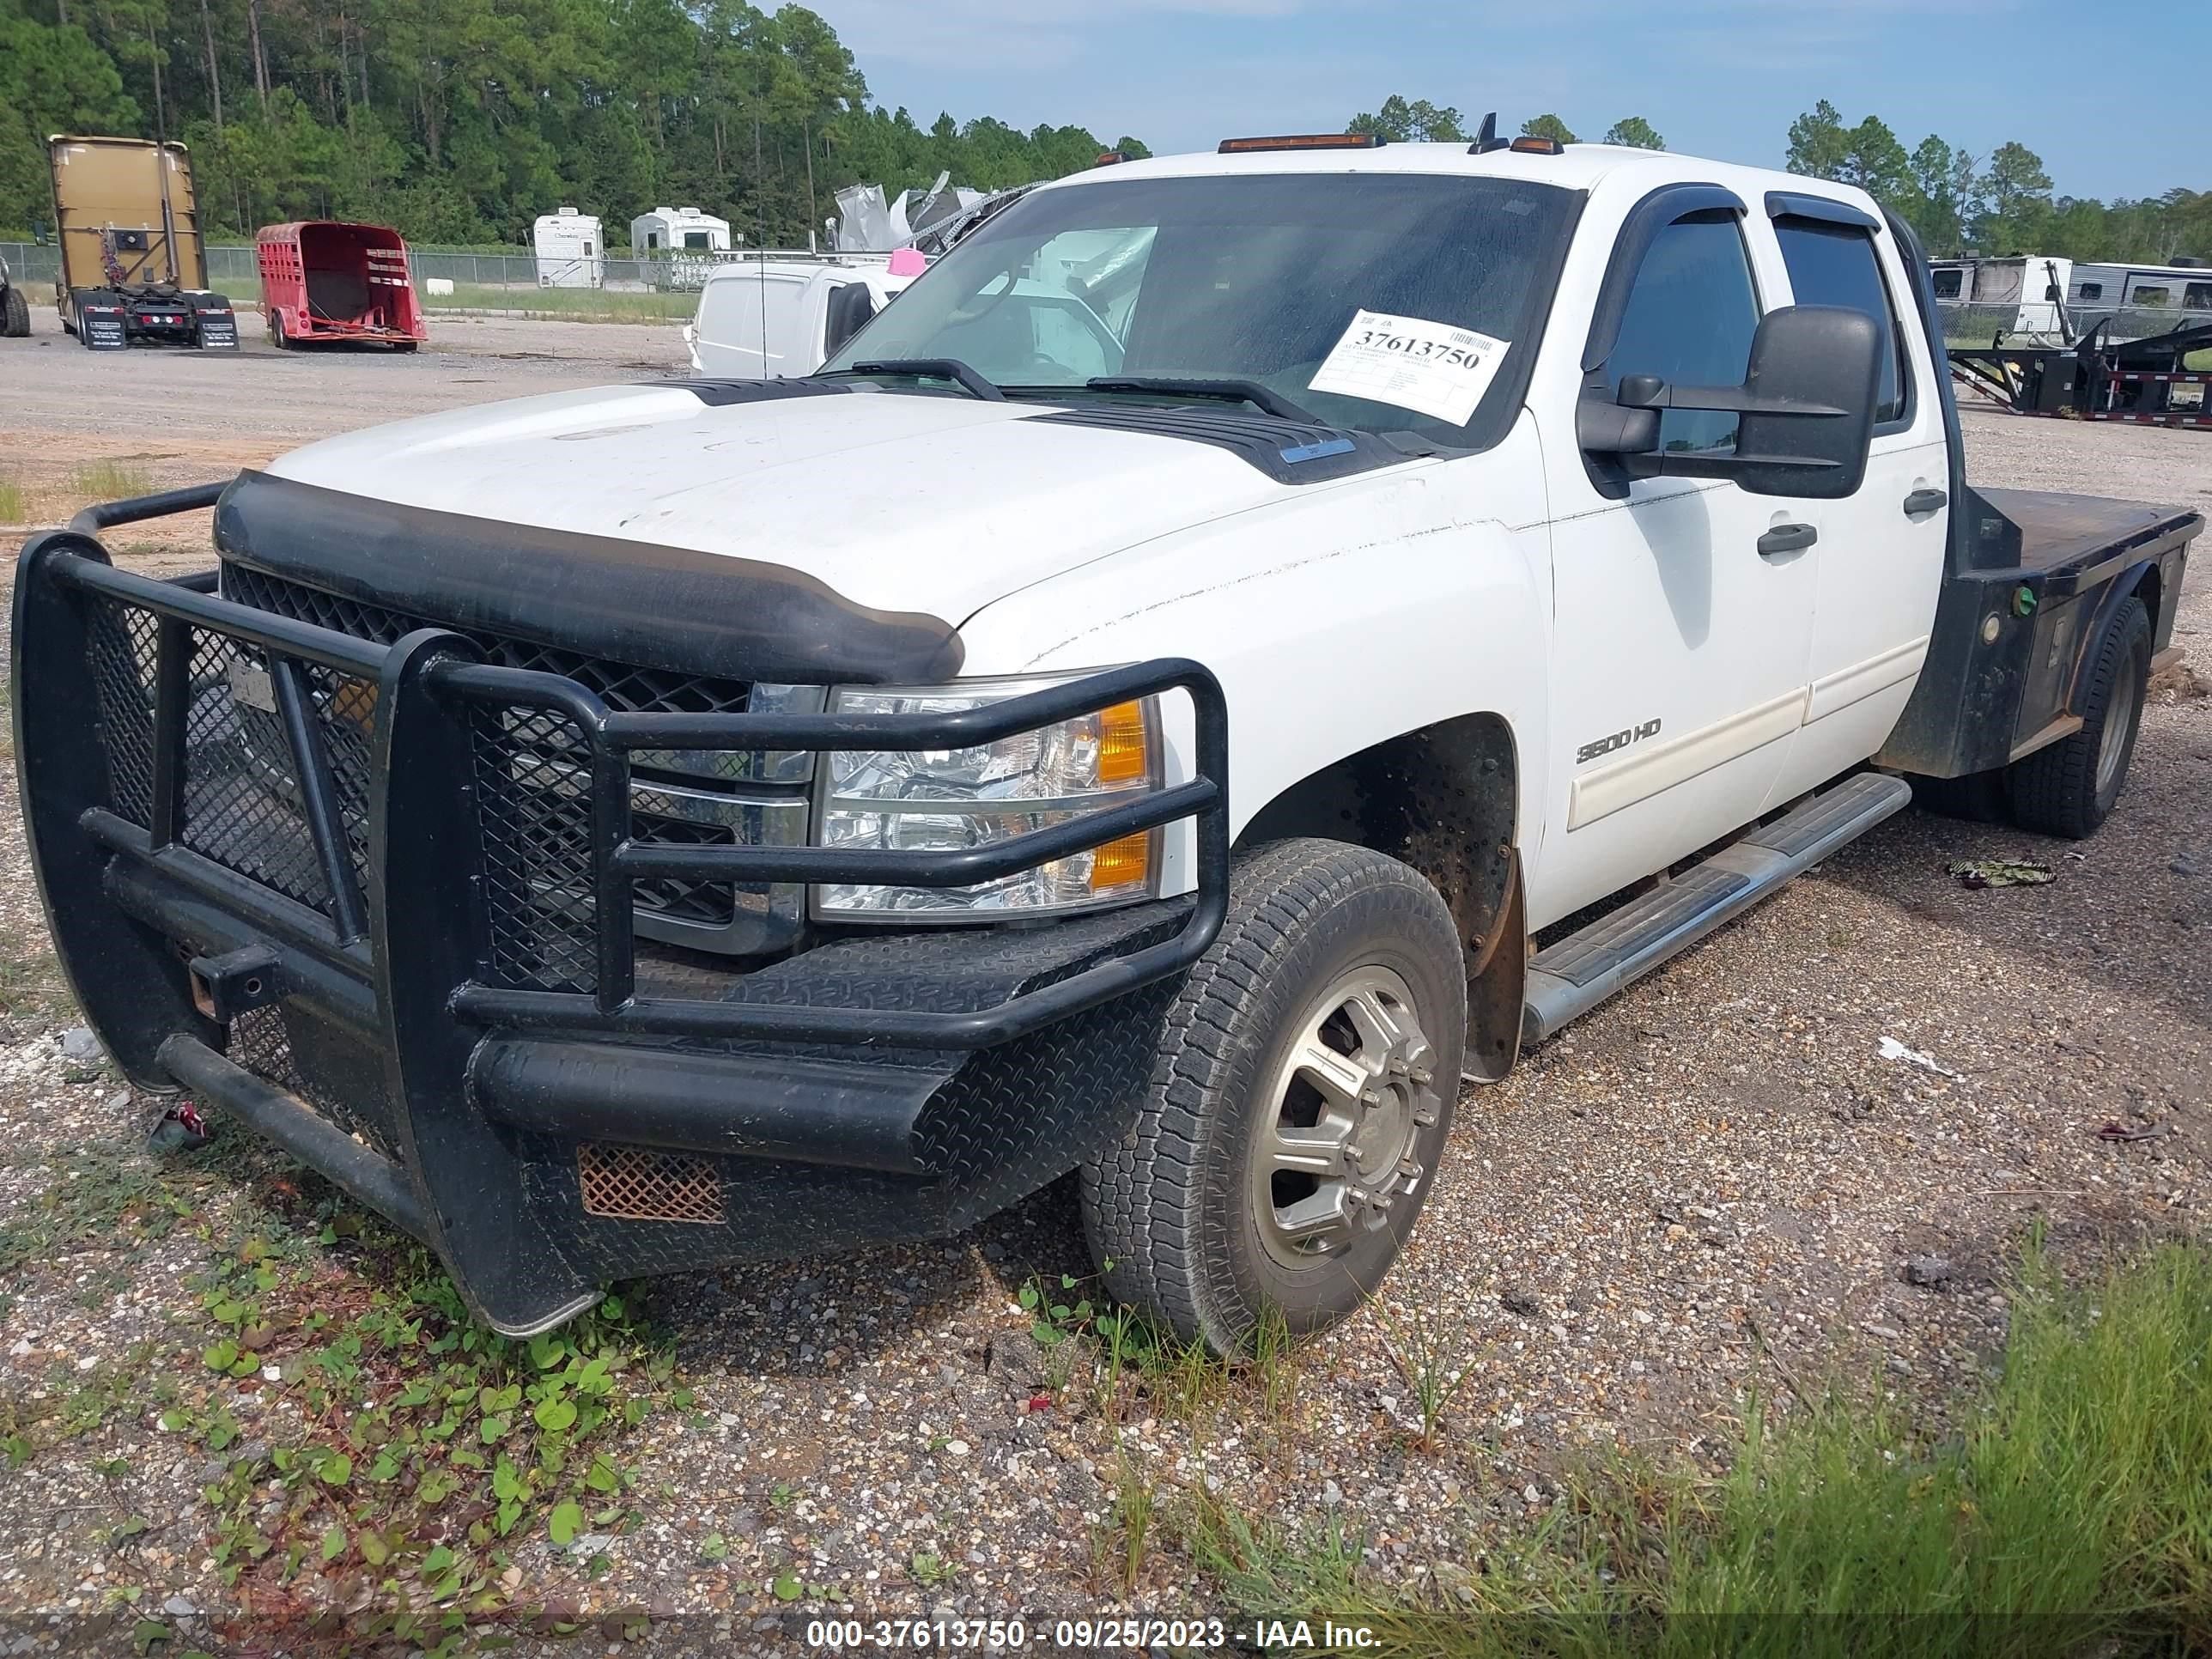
(1486, 136)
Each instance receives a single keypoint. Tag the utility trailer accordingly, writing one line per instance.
(2146, 382)
(322, 281)
(133, 269)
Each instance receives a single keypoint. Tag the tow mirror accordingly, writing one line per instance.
(1807, 404)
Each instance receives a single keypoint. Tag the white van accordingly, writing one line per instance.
(766, 319)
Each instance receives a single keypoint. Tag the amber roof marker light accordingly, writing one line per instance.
(1537, 146)
(1302, 141)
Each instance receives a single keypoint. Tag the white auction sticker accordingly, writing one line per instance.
(1435, 368)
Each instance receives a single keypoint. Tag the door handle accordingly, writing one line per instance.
(1924, 501)
(1787, 538)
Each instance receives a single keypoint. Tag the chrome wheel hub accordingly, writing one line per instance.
(1342, 1118)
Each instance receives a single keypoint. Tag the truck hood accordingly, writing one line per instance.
(898, 501)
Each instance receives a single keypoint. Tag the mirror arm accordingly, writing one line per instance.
(1605, 427)
(1678, 464)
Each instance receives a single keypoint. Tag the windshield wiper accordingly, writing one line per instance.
(1260, 397)
(929, 369)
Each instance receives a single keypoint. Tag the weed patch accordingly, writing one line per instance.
(376, 1457)
(427, 1445)
(1436, 1354)
(2069, 1513)
(1128, 1361)
(107, 481)
(97, 1195)
(33, 994)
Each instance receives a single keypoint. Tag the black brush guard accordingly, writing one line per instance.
(176, 949)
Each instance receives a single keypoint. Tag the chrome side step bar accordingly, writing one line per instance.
(1569, 979)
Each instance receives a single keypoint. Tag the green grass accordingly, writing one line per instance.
(32, 989)
(591, 305)
(11, 503)
(2070, 1512)
(107, 481)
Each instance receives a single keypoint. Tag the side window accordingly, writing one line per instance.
(2093, 291)
(850, 307)
(2197, 296)
(1835, 265)
(2149, 296)
(1689, 320)
(1946, 284)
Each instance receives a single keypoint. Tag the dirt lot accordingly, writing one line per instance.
(77, 426)
(1709, 1188)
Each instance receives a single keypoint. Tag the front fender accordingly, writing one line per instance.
(1334, 620)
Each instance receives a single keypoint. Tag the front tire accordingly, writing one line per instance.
(1298, 1105)
(15, 313)
(2068, 787)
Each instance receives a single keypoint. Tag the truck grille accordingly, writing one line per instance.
(619, 685)
(536, 828)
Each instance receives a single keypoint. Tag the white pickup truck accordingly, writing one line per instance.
(1246, 642)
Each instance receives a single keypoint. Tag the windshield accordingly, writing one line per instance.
(1257, 278)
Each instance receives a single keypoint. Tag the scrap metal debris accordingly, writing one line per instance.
(182, 1129)
(2136, 1131)
(1893, 1050)
(1979, 873)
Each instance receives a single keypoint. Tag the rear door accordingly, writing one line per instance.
(1882, 548)
(752, 326)
(1681, 647)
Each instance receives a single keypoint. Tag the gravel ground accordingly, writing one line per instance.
(1713, 1185)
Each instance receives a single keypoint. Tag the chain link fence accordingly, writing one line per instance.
(2037, 322)
(664, 287)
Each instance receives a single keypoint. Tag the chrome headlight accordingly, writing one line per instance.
(915, 799)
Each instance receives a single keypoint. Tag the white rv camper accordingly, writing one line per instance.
(571, 251)
(2026, 291)
(684, 230)
(2144, 288)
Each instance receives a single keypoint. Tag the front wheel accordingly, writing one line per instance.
(15, 313)
(1298, 1105)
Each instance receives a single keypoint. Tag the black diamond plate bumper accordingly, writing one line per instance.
(451, 1017)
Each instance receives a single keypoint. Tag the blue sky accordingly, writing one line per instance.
(1717, 77)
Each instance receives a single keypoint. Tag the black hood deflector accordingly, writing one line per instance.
(671, 608)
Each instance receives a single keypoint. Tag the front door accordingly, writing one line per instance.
(1681, 647)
